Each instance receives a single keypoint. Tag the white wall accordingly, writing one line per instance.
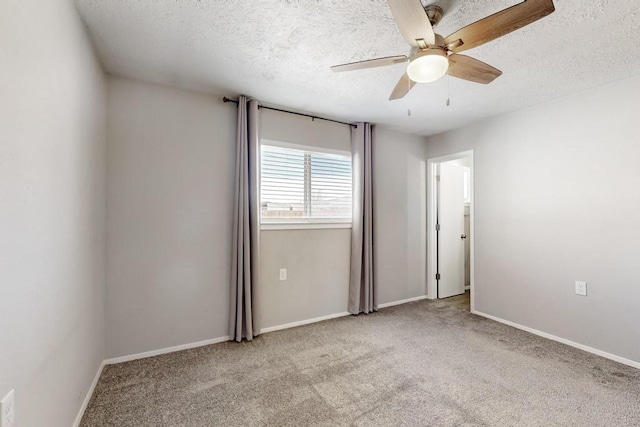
(52, 179)
(170, 204)
(557, 200)
(170, 166)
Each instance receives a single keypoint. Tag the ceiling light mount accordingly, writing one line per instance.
(434, 13)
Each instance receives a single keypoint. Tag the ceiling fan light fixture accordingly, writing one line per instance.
(428, 65)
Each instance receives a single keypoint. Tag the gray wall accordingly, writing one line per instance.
(170, 194)
(399, 186)
(557, 200)
(312, 289)
(170, 166)
(52, 179)
(317, 263)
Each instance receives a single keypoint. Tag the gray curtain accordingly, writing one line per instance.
(245, 274)
(363, 294)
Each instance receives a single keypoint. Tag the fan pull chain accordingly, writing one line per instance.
(448, 93)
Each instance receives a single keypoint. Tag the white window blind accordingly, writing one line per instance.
(297, 185)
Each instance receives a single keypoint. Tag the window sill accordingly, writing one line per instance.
(304, 225)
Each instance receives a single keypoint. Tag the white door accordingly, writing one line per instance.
(450, 236)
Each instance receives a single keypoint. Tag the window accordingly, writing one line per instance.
(304, 186)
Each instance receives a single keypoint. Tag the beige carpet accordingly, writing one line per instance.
(426, 363)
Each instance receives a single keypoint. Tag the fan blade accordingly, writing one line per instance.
(405, 84)
(413, 22)
(499, 24)
(467, 68)
(371, 63)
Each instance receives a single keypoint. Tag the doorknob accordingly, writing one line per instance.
(464, 236)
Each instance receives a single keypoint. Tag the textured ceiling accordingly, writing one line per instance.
(280, 51)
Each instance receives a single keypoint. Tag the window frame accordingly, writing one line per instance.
(303, 223)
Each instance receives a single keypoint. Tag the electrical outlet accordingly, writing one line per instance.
(7, 416)
(581, 288)
(283, 274)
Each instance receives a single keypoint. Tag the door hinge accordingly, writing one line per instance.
(437, 227)
(438, 276)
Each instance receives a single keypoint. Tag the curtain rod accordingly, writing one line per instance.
(235, 101)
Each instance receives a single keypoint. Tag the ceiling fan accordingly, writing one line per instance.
(433, 56)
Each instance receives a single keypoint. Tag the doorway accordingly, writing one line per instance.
(450, 231)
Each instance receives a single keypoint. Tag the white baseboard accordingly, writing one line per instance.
(583, 347)
(404, 301)
(131, 357)
(334, 316)
(212, 341)
(165, 350)
(227, 338)
(188, 346)
(467, 288)
(303, 322)
(87, 398)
